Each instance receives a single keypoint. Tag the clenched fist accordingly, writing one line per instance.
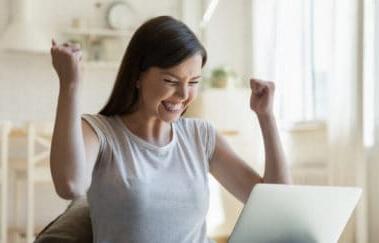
(262, 96)
(66, 61)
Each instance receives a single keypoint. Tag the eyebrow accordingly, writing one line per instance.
(173, 75)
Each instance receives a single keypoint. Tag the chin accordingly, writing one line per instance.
(170, 117)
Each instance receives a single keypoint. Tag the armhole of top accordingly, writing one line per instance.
(95, 124)
(210, 140)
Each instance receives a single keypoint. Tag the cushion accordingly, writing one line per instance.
(72, 226)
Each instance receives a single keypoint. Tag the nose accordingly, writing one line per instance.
(183, 92)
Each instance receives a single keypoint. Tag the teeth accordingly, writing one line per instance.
(172, 106)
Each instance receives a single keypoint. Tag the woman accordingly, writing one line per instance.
(143, 167)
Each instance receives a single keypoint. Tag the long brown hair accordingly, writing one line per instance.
(160, 42)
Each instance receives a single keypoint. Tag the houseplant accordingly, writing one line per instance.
(221, 77)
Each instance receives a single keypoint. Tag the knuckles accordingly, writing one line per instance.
(260, 85)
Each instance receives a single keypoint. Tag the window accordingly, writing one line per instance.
(292, 45)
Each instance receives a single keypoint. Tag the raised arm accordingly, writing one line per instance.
(234, 173)
(74, 146)
(262, 98)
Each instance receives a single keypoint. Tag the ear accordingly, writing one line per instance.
(138, 83)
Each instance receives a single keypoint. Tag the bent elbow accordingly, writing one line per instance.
(69, 191)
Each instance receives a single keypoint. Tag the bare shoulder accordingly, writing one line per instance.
(88, 132)
(91, 141)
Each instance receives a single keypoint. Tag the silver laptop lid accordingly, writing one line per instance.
(290, 213)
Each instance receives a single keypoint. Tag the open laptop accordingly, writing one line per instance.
(295, 214)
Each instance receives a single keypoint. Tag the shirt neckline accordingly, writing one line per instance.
(143, 142)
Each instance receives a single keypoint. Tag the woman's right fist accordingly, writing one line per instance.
(66, 62)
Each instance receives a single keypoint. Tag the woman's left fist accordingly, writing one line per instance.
(262, 96)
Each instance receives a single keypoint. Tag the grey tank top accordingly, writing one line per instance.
(142, 193)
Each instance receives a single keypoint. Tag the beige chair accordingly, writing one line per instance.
(28, 171)
(5, 128)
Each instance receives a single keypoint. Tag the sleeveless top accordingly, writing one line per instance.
(142, 193)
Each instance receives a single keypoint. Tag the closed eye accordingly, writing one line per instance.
(194, 82)
(171, 82)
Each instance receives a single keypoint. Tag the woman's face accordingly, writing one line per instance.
(166, 93)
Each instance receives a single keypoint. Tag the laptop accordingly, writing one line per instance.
(277, 213)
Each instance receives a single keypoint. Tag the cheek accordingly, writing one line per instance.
(193, 93)
(157, 93)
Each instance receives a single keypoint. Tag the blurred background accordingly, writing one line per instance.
(321, 55)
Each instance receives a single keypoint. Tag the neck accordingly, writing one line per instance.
(150, 129)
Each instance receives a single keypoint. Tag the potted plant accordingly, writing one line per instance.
(221, 77)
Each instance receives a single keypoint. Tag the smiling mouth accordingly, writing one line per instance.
(172, 107)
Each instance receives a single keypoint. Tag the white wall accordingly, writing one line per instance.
(29, 88)
(228, 36)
